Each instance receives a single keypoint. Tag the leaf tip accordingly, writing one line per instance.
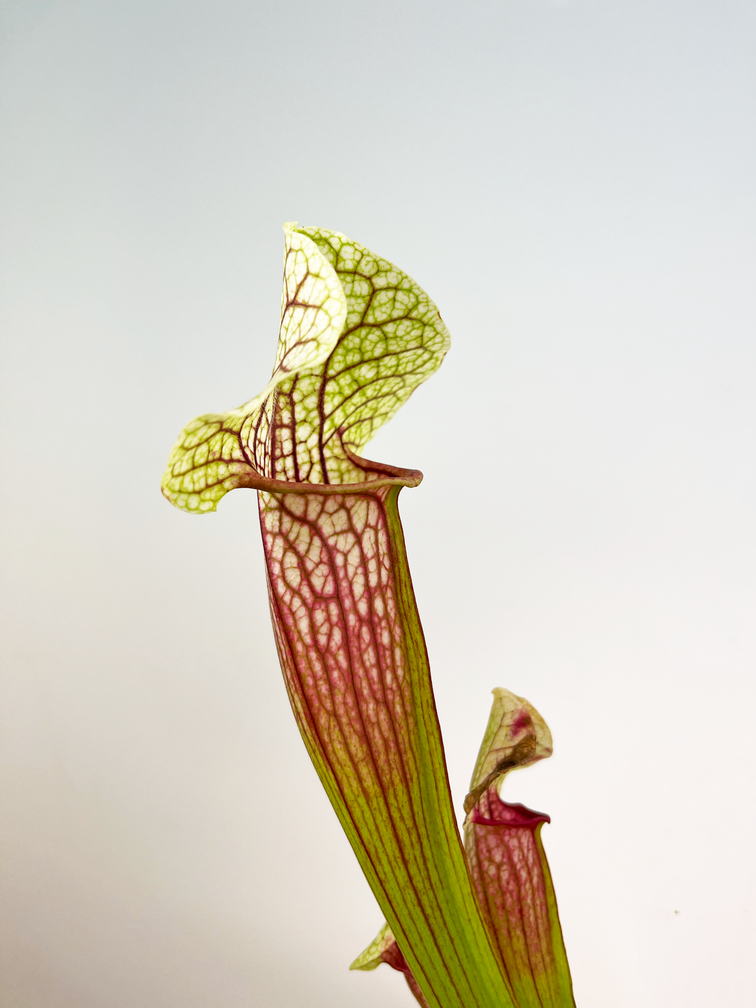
(371, 957)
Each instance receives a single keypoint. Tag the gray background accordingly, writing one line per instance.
(573, 183)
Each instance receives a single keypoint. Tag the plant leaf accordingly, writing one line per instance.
(507, 861)
(344, 615)
(384, 949)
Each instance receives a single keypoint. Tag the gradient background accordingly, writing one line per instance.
(573, 183)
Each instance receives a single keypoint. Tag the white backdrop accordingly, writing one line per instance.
(573, 183)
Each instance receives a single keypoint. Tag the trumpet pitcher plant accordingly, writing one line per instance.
(473, 925)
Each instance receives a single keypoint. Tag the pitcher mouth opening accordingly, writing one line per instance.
(377, 475)
(509, 814)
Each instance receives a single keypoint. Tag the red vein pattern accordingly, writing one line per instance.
(393, 339)
(515, 892)
(355, 664)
